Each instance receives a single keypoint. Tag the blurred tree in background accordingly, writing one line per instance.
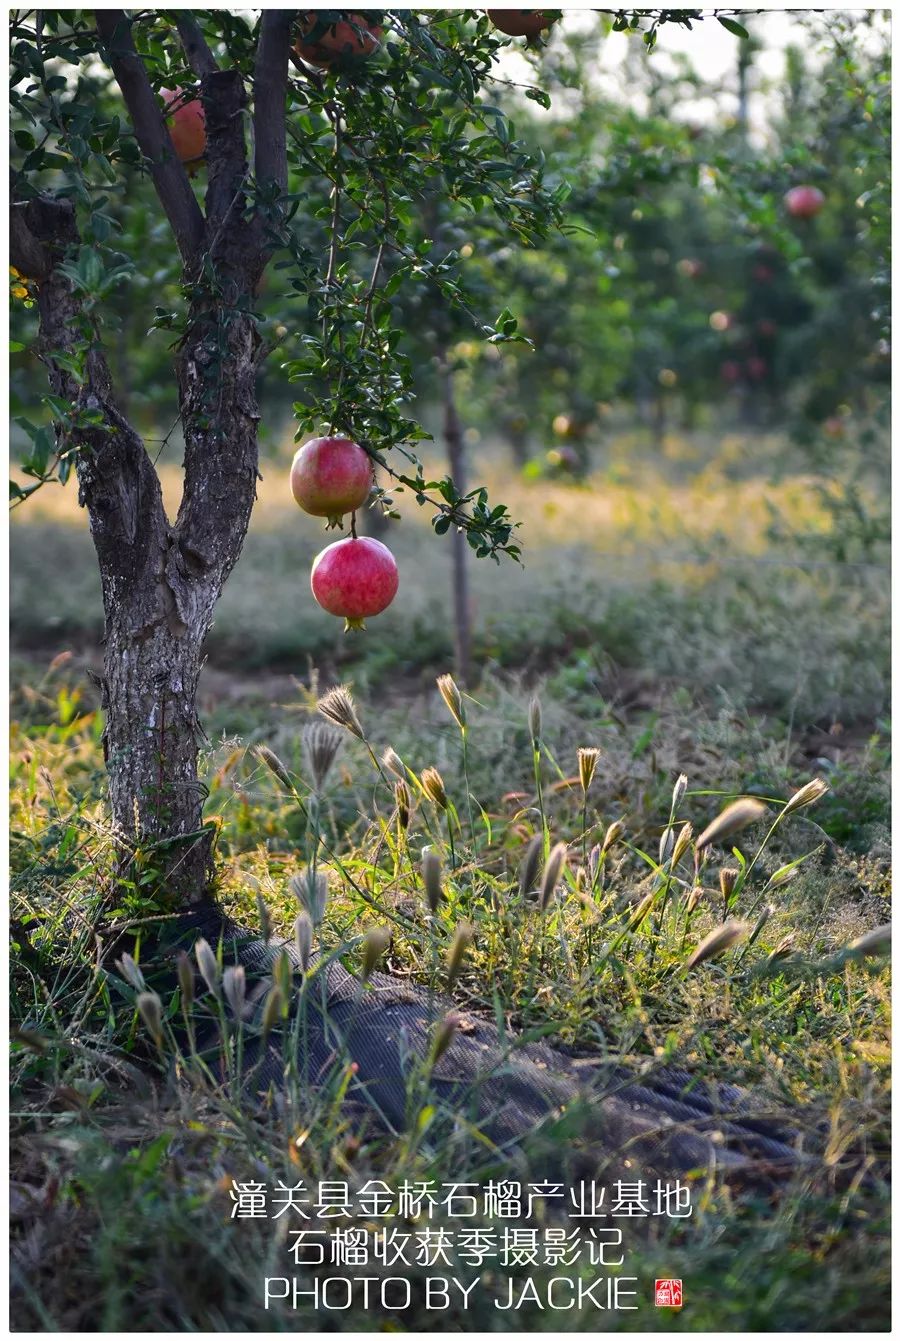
(678, 284)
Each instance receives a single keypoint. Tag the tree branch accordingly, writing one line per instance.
(26, 252)
(169, 177)
(270, 78)
(224, 101)
(117, 482)
(199, 57)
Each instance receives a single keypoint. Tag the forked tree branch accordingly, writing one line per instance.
(199, 57)
(270, 80)
(224, 103)
(169, 177)
(26, 252)
(117, 481)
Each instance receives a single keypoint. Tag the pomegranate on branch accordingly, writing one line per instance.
(187, 125)
(347, 40)
(330, 477)
(804, 202)
(355, 578)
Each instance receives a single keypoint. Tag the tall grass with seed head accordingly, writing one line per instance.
(587, 764)
(535, 725)
(431, 880)
(450, 693)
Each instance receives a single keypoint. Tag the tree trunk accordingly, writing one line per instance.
(150, 746)
(160, 580)
(518, 442)
(462, 625)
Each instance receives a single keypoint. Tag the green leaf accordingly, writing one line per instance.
(733, 26)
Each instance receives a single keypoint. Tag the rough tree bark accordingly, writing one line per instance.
(161, 579)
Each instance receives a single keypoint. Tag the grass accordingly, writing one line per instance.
(121, 1191)
(660, 562)
(688, 652)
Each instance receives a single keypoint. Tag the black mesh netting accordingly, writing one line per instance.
(664, 1120)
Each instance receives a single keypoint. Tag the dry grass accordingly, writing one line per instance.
(121, 1212)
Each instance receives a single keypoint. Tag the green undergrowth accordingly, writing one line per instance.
(124, 1151)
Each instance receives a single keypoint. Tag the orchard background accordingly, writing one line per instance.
(566, 272)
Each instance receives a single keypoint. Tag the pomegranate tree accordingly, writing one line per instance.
(330, 477)
(187, 126)
(355, 578)
(350, 39)
(804, 202)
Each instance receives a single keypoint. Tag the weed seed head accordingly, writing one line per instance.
(552, 873)
(431, 877)
(678, 791)
(283, 973)
(131, 973)
(641, 911)
(265, 918)
(528, 868)
(337, 706)
(208, 965)
(444, 1035)
(612, 835)
(271, 761)
(728, 878)
(401, 797)
(682, 843)
(875, 942)
(234, 985)
(310, 889)
(321, 746)
(535, 719)
(760, 923)
(433, 784)
(694, 898)
(666, 844)
(185, 979)
(150, 1010)
(272, 1011)
(737, 816)
(303, 938)
(462, 939)
(806, 796)
(717, 942)
(449, 692)
(587, 763)
(376, 942)
(394, 764)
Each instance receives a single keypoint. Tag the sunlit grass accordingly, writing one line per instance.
(632, 501)
(671, 570)
(600, 962)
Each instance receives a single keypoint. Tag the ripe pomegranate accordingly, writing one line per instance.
(804, 202)
(356, 578)
(348, 40)
(767, 327)
(756, 368)
(730, 371)
(528, 23)
(763, 274)
(187, 126)
(331, 476)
